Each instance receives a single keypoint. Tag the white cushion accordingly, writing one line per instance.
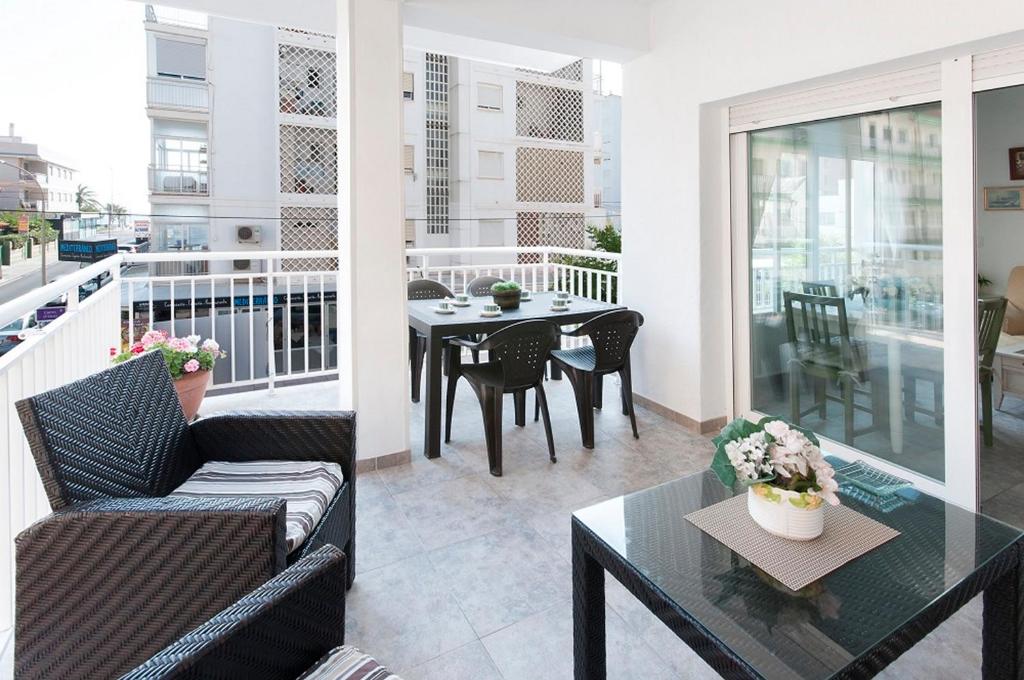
(307, 488)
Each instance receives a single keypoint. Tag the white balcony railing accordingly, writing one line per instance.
(183, 95)
(177, 181)
(276, 321)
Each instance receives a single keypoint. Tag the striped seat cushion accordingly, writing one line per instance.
(348, 663)
(307, 488)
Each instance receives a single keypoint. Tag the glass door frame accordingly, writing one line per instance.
(961, 449)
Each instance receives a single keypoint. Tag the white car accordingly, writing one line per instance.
(14, 332)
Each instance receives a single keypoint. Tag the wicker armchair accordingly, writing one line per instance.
(292, 626)
(118, 570)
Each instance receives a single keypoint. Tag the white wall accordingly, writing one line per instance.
(1000, 126)
(243, 132)
(675, 180)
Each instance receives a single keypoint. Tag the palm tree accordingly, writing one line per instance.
(86, 199)
(116, 213)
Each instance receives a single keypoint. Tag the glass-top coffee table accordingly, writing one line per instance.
(850, 624)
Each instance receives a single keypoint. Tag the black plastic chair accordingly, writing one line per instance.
(518, 354)
(424, 289)
(611, 336)
(481, 285)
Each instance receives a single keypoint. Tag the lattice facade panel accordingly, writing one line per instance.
(562, 230)
(546, 112)
(304, 228)
(309, 160)
(437, 156)
(549, 175)
(573, 72)
(307, 81)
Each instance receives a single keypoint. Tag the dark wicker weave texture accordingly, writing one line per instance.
(118, 572)
(108, 583)
(274, 633)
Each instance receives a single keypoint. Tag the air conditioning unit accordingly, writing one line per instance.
(248, 233)
(242, 265)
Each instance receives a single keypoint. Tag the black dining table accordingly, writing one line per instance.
(467, 320)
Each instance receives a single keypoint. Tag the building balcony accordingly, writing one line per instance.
(177, 95)
(175, 182)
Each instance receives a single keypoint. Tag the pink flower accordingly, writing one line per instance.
(138, 348)
(191, 366)
(151, 338)
(211, 346)
(180, 344)
(113, 351)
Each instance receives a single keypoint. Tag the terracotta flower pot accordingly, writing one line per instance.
(191, 389)
(507, 299)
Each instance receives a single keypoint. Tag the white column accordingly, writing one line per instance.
(372, 335)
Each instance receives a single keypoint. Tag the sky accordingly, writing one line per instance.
(73, 79)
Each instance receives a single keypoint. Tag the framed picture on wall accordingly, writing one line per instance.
(1003, 198)
(1017, 163)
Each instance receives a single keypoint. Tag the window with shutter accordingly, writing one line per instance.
(409, 159)
(407, 86)
(492, 165)
(177, 59)
(488, 97)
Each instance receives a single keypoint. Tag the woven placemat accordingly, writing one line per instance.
(847, 535)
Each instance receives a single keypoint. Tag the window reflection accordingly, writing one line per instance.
(846, 281)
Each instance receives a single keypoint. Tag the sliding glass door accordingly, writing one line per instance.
(844, 274)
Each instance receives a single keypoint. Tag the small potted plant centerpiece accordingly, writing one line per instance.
(189, 361)
(787, 478)
(507, 294)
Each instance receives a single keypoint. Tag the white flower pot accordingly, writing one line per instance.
(773, 510)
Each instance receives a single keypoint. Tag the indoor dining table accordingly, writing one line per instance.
(468, 320)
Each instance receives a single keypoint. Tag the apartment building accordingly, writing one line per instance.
(494, 155)
(499, 156)
(33, 177)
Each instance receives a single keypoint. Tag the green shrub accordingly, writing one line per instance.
(505, 287)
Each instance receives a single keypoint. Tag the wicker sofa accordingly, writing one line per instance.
(293, 626)
(121, 568)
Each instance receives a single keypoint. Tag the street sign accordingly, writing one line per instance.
(49, 313)
(86, 251)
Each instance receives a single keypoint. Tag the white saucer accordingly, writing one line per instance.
(438, 310)
(467, 303)
(490, 315)
(559, 309)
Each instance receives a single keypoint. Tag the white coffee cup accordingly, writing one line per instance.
(491, 308)
(461, 298)
(560, 303)
(444, 305)
(562, 295)
(524, 295)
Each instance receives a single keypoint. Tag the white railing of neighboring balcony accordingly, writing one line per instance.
(178, 181)
(172, 93)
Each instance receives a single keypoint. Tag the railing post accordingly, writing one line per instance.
(424, 266)
(271, 358)
(544, 264)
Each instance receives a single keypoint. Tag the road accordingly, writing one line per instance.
(29, 281)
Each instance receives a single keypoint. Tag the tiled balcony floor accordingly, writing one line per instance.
(462, 575)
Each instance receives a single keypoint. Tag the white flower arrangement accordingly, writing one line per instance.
(773, 454)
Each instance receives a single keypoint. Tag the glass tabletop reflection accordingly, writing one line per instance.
(815, 632)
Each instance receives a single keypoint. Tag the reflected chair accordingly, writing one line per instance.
(1013, 322)
(518, 354)
(824, 288)
(991, 313)
(481, 285)
(821, 348)
(611, 336)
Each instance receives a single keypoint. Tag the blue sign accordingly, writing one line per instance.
(86, 251)
(48, 313)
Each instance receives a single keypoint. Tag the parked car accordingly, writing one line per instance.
(13, 333)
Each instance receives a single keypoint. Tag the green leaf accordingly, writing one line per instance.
(720, 464)
(723, 468)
